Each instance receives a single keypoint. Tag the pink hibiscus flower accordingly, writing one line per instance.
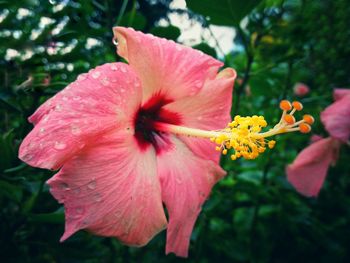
(336, 117)
(116, 170)
(308, 171)
(120, 137)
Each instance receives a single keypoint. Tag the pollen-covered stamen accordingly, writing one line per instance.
(237, 137)
(243, 137)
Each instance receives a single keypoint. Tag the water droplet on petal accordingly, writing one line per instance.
(96, 74)
(105, 81)
(202, 194)
(97, 197)
(179, 180)
(27, 157)
(92, 184)
(79, 210)
(46, 118)
(198, 84)
(178, 47)
(60, 145)
(58, 107)
(75, 129)
(118, 214)
(81, 146)
(31, 145)
(114, 67)
(63, 186)
(65, 98)
(138, 39)
(123, 69)
(85, 223)
(82, 77)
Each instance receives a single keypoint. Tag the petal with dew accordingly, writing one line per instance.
(111, 190)
(208, 110)
(185, 184)
(102, 100)
(308, 171)
(336, 117)
(164, 67)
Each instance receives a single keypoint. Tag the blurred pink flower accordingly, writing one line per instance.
(301, 89)
(116, 169)
(47, 80)
(336, 117)
(308, 171)
(315, 138)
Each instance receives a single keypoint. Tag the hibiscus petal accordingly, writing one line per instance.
(208, 110)
(308, 171)
(163, 66)
(112, 190)
(185, 186)
(336, 117)
(102, 100)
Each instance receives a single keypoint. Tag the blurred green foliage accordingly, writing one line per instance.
(253, 215)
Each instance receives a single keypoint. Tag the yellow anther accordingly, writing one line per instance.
(271, 144)
(308, 119)
(212, 139)
(224, 151)
(217, 148)
(263, 123)
(304, 128)
(261, 149)
(289, 119)
(236, 118)
(297, 105)
(285, 105)
(218, 140)
(256, 129)
(233, 157)
(232, 124)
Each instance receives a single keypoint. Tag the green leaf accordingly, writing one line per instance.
(7, 150)
(204, 47)
(169, 32)
(56, 217)
(228, 12)
(133, 19)
(10, 191)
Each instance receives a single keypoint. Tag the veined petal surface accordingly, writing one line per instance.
(102, 100)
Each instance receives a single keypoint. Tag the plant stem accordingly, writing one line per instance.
(250, 60)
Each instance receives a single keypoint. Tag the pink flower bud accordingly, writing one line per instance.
(301, 89)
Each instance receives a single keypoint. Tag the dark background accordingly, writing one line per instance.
(253, 215)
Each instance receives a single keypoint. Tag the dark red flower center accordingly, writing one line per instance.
(153, 110)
